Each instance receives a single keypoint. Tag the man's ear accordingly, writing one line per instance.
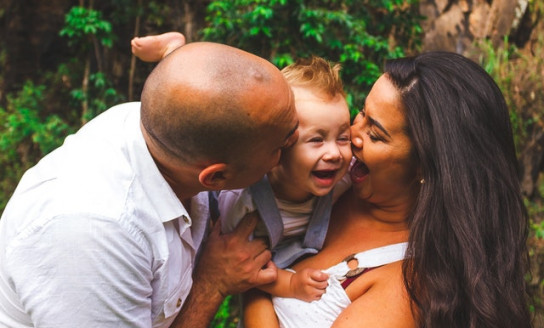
(214, 176)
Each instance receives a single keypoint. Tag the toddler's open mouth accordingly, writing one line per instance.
(325, 174)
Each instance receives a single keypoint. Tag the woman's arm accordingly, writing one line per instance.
(258, 310)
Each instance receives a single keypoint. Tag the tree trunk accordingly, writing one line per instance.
(85, 91)
(453, 25)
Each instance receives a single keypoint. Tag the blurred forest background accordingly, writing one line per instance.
(62, 62)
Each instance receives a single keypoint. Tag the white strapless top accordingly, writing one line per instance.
(294, 313)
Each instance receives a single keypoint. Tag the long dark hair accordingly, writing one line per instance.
(468, 230)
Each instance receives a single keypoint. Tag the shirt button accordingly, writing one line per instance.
(178, 304)
(185, 219)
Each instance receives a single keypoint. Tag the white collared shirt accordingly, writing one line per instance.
(89, 237)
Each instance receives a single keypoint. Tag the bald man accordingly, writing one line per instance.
(104, 231)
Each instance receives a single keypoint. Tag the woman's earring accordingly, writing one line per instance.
(422, 181)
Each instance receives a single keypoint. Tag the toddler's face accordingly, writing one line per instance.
(322, 153)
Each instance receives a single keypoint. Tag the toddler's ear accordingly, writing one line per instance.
(214, 176)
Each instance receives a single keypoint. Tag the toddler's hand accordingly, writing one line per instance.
(309, 284)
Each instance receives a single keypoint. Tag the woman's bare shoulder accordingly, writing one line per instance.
(382, 303)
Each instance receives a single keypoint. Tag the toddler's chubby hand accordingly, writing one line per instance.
(153, 48)
(309, 284)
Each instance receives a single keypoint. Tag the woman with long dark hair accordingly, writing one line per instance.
(435, 178)
(468, 228)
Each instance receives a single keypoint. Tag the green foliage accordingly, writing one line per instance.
(99, 96)
(535, 208)
(22, 121)
(37, 118)
(360, 35)
(520, 80)
(82, 23)
(225, 318)
(25, 136)
(84, 28)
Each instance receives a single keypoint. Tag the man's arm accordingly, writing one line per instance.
(229, 264)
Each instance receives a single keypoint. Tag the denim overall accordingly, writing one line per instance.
(284, 253)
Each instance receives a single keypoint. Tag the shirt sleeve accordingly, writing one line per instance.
(233, 206)
(82, 271)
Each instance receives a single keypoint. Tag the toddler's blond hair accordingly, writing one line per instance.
(316, 74)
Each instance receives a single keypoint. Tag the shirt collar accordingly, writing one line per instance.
(163, 198)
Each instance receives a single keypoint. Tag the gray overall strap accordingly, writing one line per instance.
(263, 197)
(319, 222)
(289, 250)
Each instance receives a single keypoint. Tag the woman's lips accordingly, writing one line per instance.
(359, 172)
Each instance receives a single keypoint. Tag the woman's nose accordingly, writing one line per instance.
(356, 138)
(356, 141)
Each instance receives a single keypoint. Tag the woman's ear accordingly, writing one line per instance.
(214, 176)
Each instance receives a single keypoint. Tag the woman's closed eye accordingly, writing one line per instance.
(374, 137)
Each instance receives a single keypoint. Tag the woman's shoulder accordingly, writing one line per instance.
(379, 299)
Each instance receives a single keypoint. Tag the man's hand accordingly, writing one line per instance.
(232, 263)
(309, 284)
(229, 264)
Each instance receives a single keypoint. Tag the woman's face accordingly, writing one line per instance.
(385, 172)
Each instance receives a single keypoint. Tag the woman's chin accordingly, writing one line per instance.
(361, 191)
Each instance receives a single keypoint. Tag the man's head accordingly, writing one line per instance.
(216, 114)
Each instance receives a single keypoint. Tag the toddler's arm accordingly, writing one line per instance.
(307, 284)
